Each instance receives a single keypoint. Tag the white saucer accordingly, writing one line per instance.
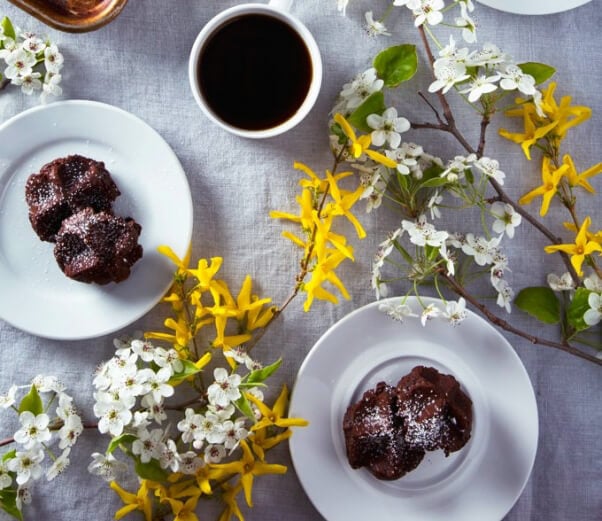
(36, 296)
(533, 6)
(481, 482)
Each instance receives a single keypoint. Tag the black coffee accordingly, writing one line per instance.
(254, 72)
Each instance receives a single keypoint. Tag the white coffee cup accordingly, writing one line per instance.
(278, 9)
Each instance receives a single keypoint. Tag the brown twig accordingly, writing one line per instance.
(501, 323)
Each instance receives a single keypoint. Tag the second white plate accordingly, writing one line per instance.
(36, 296)
(481, 482)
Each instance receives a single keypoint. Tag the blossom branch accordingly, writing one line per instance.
(8, 441)
(450, 126)
(501, 323)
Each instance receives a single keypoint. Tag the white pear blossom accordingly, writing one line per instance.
(374, 191)
(113, 417)
(456, 167)
(489, 55)
(455, 312)
(433, 205)
(423, 233)
(491, 168)
(387, 128)
(53, 59)
(28, 82)
(26, 465)
(405, 156)
(364, 84)
(34, 429)
(209, 430)
(506, 218)
(469, 33)
(563, 283)
(225, 388)
(6, 479)
(375, 27)
(398, 311)
(234, 432)
(170, 358)
(451, 53)
(33, 43)
(449, 259)
(447, 74)
(59, 465)
(8, 399)
(148, 444)
(593, 282)
(480, 85)
(106, 466)
(190, 424)
(513, 78)
(480, 248)
(223, 413)
(428, 11)
(23, 497)
(168, 456)
(505, 295)
(594, 314)
(141, 419)
(70, 431)
(214, 453)
(189, 462)
(429, 312)
(156, 383)
(143, 349)
(19, 63)
(46, 384)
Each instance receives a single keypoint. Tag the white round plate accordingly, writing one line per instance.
(480, 482)
(533, 6)
(36, 296)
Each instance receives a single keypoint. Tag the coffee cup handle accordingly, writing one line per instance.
(283, 5)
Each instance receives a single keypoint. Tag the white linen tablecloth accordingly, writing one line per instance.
(139, 63)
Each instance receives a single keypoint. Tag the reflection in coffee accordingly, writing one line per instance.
(254, 72)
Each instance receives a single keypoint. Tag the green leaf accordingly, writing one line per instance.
(373, 104)
(469, 175)
(32, 402)
(396, 64)
(243, 405)
(151, 470)
(260, 375)
(8, 503)
(189, 369)
(118, 440)
(432, 172)
(577, 309)
(8, 28)
(338, 131)
(540, 71)
(434, 182)
(9, 455)
(539, 302)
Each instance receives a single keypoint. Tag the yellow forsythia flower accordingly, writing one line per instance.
(550, 178)
(360, 145)
(582, 247)
(553, 124)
